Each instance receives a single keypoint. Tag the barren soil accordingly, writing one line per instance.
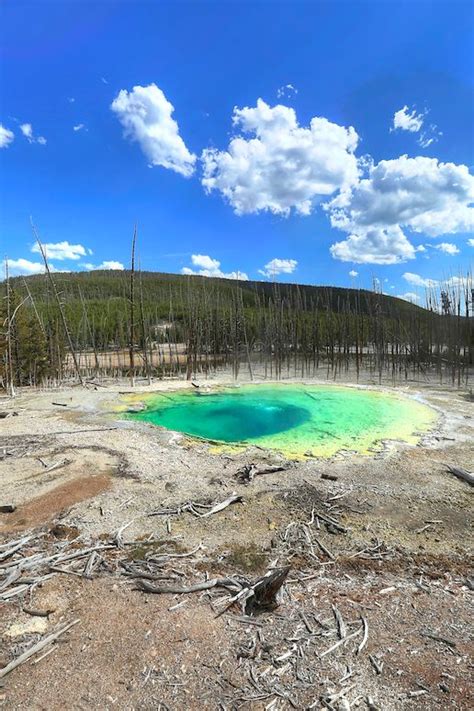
(402, 563)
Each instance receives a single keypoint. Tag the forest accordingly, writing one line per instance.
(56, 327)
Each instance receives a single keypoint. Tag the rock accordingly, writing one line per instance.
(35, 625)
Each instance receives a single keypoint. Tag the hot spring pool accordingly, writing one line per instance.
(293, 419)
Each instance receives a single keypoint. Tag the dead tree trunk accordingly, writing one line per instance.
(132, 311)
(60, 306)
(10, 383)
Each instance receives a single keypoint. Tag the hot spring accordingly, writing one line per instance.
(293, 419)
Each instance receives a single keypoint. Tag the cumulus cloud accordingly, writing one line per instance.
(79, 127)
(278, 266)
(282, 165)
(111, 264)
(27, 131)
(470, 242)
(62, 250)
(209, 267)
(6, 136)
(417, 280)
(409, 296)
(374, 246)
(406, 120)
(419, 194)
(353, 273)
(146, 115)
(446, 247)
(25, 266)
(452, 281)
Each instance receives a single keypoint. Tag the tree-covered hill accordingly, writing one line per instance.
(157, 288)
(152, 323)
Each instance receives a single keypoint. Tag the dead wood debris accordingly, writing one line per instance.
(194, 508)
(276, 652)
(462, 474)
(36, 648)
(248, 472)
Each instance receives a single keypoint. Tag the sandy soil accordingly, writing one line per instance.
(75, 470)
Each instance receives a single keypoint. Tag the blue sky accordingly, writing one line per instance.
(113, 113)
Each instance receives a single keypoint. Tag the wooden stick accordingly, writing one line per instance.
(233, 499)
(461, 474)
(228, 583)
(338, 644)
(365, 636)
(35, 649)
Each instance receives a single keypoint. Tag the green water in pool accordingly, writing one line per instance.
(290, 418)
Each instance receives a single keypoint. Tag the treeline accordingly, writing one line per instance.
(110, 324)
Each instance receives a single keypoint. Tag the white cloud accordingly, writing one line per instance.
(146, 115)
(374, 246)
(446, 247)
(417, 280)
(459, 281)
(278, 266)
(406, 120)
(409, 296)
(71, 99)
(470, 242)
(104, 80)
(353, 273)
(79, 127)
(27, 131)
(6, 136)
(210, 267)
(62, 250)
(24, 266)
(286, 91)
(453, 281)
(429, 136)
(283, 165)
(111, 264)
(420, 194)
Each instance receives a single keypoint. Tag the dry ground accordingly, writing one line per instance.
(77, 474)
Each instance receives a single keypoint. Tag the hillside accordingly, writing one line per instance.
(159, 287)
(198, 324)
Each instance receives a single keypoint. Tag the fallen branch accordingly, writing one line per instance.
(331, 521)
(365, 637)
(192, 507)
(228, 583)
(338, 644)
(248, 473)
(461, 474)
(341, 625)
(233, 499)
(35, 649)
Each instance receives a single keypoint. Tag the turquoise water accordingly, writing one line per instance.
(289, 418)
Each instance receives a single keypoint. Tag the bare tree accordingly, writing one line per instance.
(60, 306)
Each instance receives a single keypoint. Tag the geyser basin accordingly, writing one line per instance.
(293, 419)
